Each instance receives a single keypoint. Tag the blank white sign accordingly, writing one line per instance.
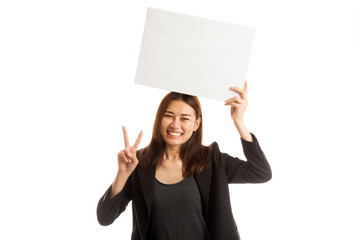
(193, 55)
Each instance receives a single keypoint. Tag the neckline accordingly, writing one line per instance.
(172, 184)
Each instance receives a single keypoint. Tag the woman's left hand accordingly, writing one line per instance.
(238, 104)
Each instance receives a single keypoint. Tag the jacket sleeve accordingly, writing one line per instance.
(108, 209)
(255, 170)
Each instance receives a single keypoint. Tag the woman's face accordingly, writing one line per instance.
(178, 123)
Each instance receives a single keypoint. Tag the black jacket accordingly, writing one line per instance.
(213, 187)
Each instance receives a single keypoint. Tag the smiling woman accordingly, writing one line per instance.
(177, 135)
(180, 122)
(180, 188)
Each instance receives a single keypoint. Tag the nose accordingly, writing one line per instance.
(175, 123)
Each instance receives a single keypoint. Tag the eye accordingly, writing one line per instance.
(185, 119)
(167, 115)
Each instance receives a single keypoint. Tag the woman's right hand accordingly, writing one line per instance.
(127, 159)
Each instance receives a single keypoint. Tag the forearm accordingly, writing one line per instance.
(255, 170)
(119, 183)
(109, 209)
(243, 131)
(114, 201)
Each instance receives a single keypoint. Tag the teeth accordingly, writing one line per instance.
(174, 133)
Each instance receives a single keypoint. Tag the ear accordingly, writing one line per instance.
(197, 123)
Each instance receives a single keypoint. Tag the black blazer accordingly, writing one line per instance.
(213, 187)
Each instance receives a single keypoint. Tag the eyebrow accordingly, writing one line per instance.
(183, 114)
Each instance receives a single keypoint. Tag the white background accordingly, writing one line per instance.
(67, 70)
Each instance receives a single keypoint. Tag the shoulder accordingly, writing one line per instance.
(218, 157)
(215, 152)
(214, 148)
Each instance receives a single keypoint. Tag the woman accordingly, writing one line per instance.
(180, 188)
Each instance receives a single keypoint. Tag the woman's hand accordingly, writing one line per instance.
(238, 106)
(127, 162)
(127, 159)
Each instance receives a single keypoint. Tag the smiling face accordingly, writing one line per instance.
(178, 123)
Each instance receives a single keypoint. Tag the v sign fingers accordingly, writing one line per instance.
(127, 159)
(126, 140)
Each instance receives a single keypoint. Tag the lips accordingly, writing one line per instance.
(174, 133)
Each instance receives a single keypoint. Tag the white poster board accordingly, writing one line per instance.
(193, 55)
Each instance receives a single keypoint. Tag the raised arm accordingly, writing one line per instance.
(256, 169)
(118, 195)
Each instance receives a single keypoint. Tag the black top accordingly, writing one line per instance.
(176, 212)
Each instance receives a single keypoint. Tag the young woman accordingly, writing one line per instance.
(178, 187)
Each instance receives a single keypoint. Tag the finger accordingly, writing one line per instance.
(240, 91)
(129, 157)
(128, 153)
(235, 105)
(245, 87)
(126, 138)
(230, 100)
(122, 156)
(234, 99)
(138, 140)
(238, 101)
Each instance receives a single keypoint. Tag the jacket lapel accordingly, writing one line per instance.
(203, 181)
(147, 177)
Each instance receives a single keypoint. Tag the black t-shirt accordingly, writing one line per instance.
(176, 212)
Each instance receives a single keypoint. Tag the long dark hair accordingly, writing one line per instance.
(194, 155)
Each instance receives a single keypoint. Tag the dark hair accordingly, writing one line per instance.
(194, 155)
